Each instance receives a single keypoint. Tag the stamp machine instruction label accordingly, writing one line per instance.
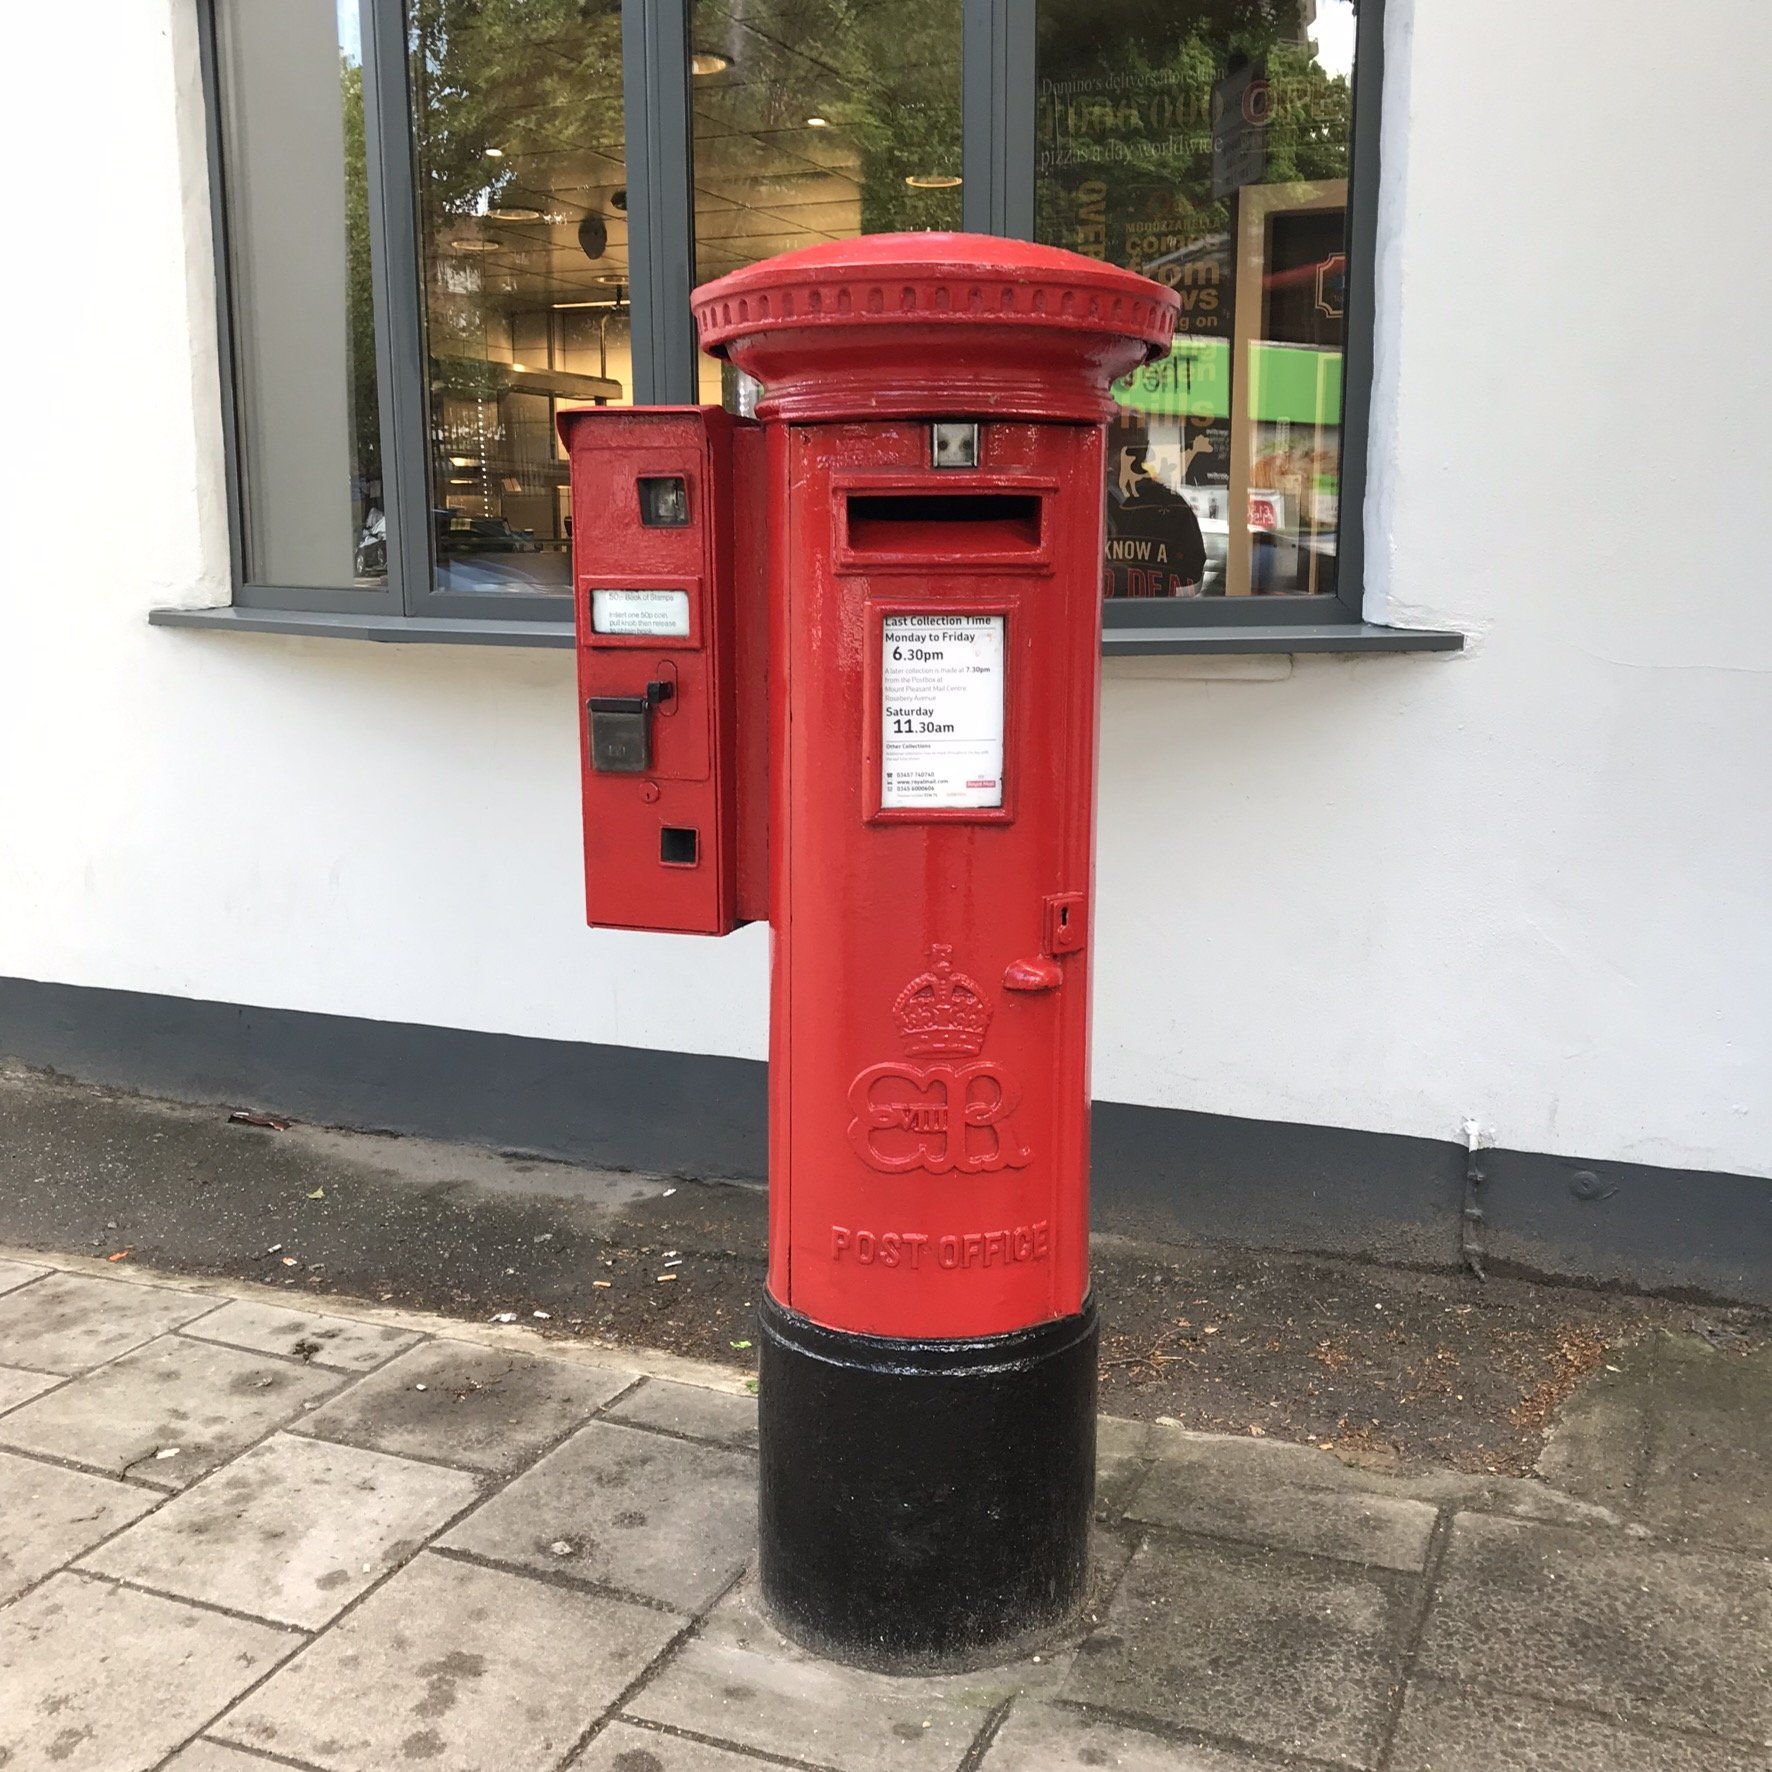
(664, 614)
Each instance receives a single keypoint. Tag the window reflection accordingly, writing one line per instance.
(1205, 143)
(523, 238)
(817, 120)
(304, 320)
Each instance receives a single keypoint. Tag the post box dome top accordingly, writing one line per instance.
(935, 325)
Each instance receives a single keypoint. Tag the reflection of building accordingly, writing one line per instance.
(1341, 904)
(1258, 395)
(498, 458)
(1215, 162)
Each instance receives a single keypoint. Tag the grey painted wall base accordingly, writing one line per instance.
(1160, 1173)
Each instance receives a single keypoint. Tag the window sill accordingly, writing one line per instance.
(1326, 636)
(399, 630)
(1118, 642)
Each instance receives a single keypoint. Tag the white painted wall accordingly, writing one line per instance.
(1529, 882)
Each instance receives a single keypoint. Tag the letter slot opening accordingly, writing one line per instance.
(947, 525)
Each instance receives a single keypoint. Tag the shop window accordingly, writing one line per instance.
(1206, 144)
(423, 227)
(523, 263)
(817, 120)
(308, 410)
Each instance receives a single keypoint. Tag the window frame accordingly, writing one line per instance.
(998, 112)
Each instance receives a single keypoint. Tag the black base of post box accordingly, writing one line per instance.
(925, 1505)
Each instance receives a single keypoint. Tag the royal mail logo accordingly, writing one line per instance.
(942, 1117)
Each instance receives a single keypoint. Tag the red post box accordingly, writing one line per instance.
(933, 411)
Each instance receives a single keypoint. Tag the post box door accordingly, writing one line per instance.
(940, 631)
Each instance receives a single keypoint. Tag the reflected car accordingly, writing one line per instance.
(1208, 504)
(1215, 532)
(372, 547)
(482, 535)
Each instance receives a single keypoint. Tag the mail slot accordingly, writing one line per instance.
(944, 524)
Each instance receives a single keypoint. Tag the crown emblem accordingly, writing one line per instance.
(942, 1010)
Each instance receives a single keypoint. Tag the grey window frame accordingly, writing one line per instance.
(998, 93)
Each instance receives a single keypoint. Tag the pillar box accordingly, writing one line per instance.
(930, 501)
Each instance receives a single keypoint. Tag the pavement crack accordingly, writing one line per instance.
(1415, 1632)
(981, 1742)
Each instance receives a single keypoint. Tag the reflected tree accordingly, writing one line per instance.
(1150, 117)
(365, 412)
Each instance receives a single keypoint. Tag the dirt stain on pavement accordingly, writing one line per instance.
(1387, 1367)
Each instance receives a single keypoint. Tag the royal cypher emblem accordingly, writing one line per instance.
(945, 1115)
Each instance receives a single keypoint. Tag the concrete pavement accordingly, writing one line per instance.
(239, 1533)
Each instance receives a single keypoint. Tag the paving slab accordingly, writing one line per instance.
(70, 1323)
(690, 1410)
(168, 1412)
(1443, 1729)
(16, 1273)
(1264, 1647)
(625, 1747)
(1051, 1738)
(19, 1386)
(1708, 1475)
(216, 1756)
(1652, 1636)
(1122, 1449)
(667, 1519)
(1597, 1445)
(102, 1679)
(1241, 1461)
(1517, 1498)
(303, 1335)
(291, 1531)
(487, 1408)
(454, 1668)
(742, 1683)
(1244, 1458)
(49, 1515)
(1353, 1527)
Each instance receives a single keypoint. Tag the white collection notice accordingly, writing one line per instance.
(941, 711)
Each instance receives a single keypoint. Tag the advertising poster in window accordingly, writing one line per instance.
(1126, 200)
